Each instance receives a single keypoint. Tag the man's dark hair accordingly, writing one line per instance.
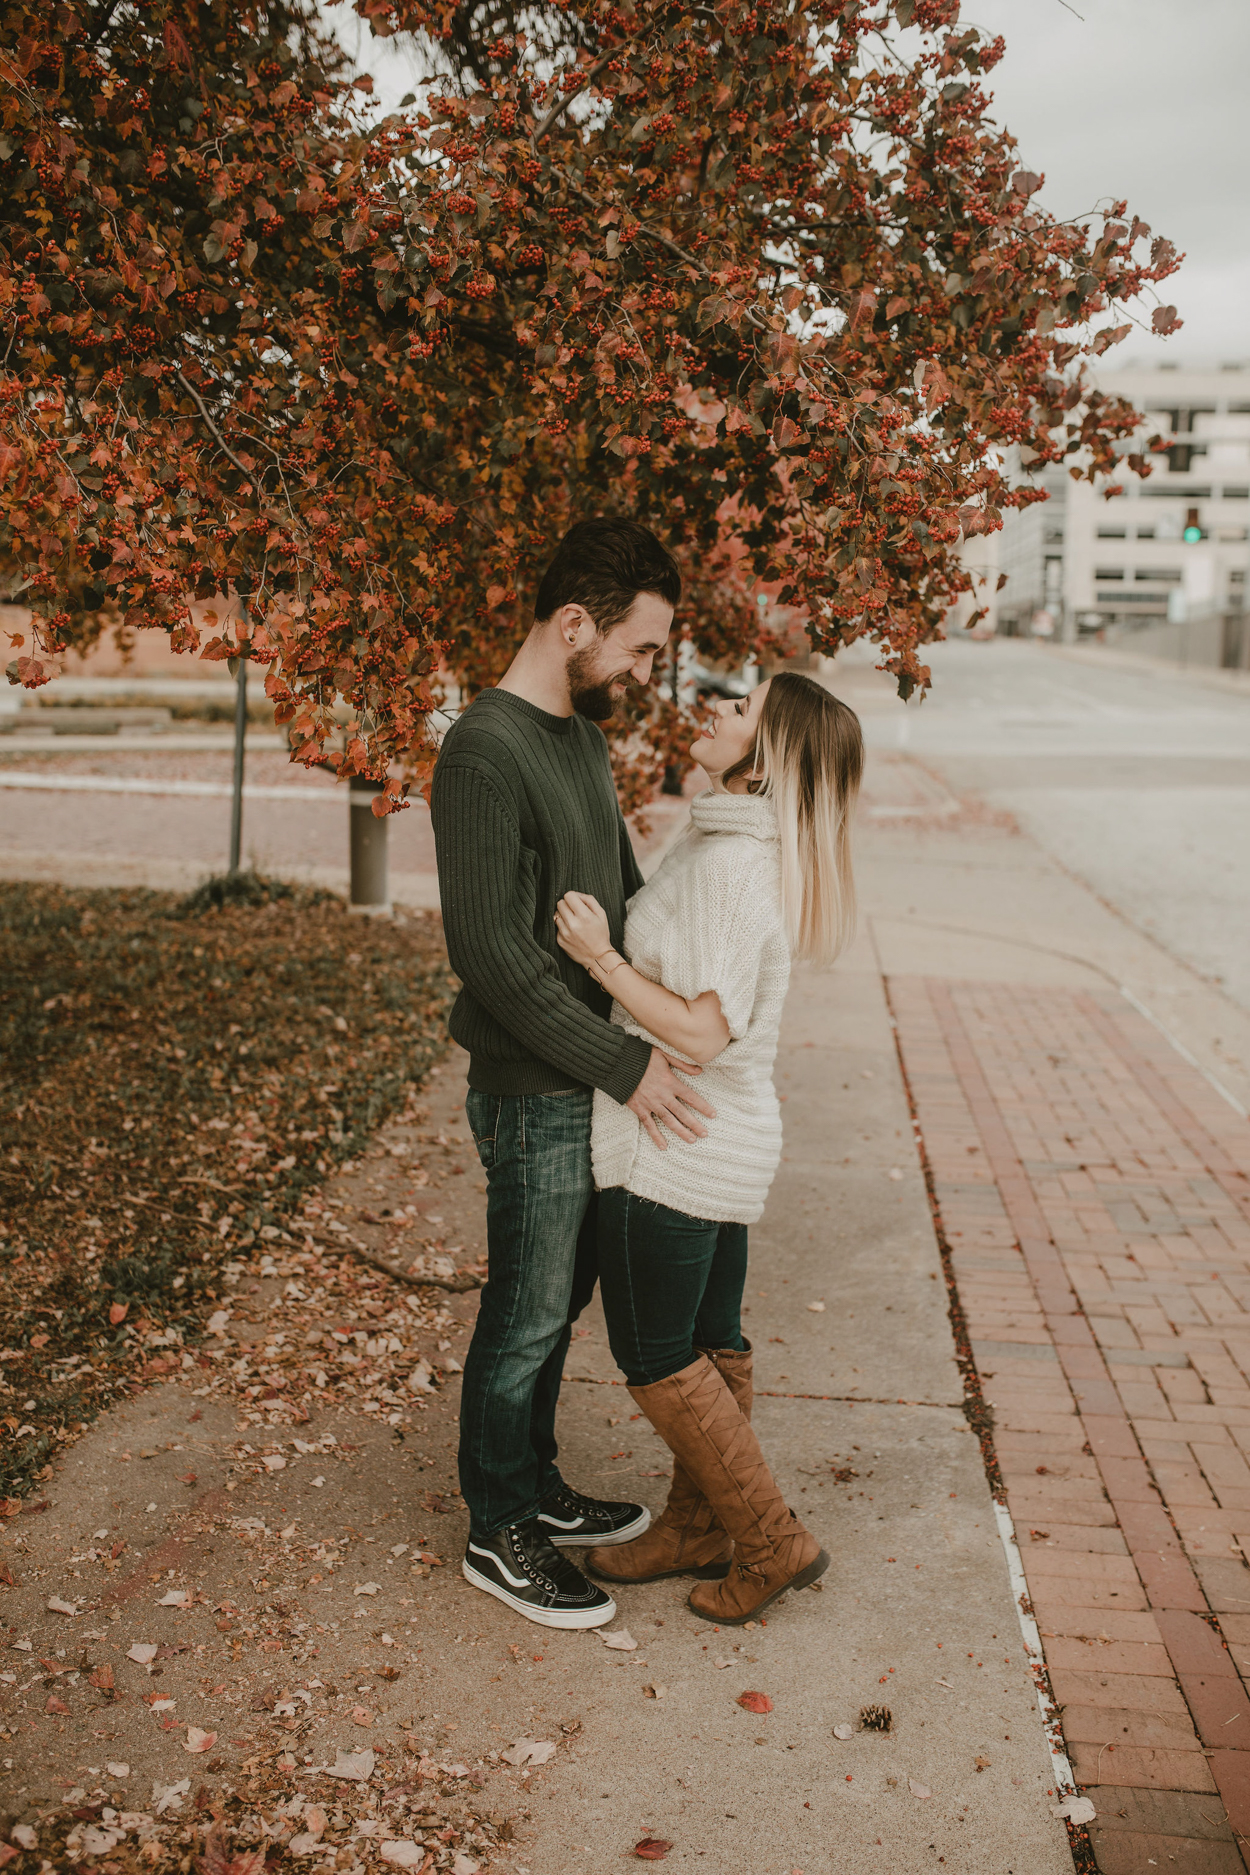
(603, 565)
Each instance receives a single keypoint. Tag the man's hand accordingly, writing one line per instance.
(660, 1096)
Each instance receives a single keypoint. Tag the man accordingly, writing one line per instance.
(524, 809)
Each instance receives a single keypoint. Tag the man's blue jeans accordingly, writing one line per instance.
(540, 1234)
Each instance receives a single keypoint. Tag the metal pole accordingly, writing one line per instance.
(239, 669)
(368, 845)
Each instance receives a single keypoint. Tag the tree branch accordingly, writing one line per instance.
(204, 412)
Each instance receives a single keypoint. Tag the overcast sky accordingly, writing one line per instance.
(1148, 99)
(1144, 99)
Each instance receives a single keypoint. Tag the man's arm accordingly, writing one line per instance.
(488, 918)
(631, 875)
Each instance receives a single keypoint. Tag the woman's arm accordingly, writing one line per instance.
(696, 1029)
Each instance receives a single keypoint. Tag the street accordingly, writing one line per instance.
(1137, 781)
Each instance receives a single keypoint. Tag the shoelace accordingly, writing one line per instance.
(531, 1569)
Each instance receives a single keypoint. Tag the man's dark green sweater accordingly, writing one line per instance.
(525, 810)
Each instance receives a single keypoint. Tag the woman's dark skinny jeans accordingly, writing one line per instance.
(671, 1284)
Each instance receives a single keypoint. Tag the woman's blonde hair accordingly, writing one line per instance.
(809, 758)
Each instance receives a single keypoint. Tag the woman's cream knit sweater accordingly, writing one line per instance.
(710, 919)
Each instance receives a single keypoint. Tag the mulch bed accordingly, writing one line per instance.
(175, 1076)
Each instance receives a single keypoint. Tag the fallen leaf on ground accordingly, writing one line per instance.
(844, 1730)
(273, 1461)
(981, 1764)
(23, 1834)
(622, 1639)
(755, 1702)
(8, 1854)
(117, 1769)
(196, 1740)
(398, 1854)
(918, 1790)
(361, 1716)
(652, 1849)
(465, 1865)
(143, 1652)
(817, 1308)
(174, 1598)
(117, 1312)
(654, 1692)
(170, 1796)
(367, 1588)
(1075, 1809)
(355, 1766)
(722, 1663)
(529, 1751)
(55, 1705)
(57, 1607)
(102, 1678)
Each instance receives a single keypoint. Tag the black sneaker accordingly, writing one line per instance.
(573, 1521)
(518, 1566)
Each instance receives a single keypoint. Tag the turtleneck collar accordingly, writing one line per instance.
(752, 814)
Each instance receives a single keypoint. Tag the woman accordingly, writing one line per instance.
(763, 875)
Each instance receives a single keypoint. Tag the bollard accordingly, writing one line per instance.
(368, 837)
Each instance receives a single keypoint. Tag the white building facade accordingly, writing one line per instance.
(1164, 564)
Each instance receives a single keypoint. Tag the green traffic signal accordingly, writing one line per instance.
(1192, 533)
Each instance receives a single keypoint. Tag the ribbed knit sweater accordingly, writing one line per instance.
(710, 919)
(524, 810)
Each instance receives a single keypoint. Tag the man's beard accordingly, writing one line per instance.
(590, 696)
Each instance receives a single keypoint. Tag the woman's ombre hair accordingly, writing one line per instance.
(809, 758)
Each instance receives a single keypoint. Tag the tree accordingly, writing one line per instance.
(770, 279)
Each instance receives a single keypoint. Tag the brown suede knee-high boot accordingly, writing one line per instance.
(697, 1417)
(686, 1538)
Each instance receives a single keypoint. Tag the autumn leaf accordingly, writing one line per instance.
(117, 1312)
(652, 1849)
(755, 1702)
(55, 1705)
(197, 1740)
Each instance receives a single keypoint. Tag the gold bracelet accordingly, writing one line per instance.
(609, 953)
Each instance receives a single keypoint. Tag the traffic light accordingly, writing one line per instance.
(1193, 528)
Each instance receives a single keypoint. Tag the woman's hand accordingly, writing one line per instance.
(582, 928)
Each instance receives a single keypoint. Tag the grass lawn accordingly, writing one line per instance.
(174, 1075)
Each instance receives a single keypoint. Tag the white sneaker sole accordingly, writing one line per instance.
(567, 1540)
(541, 1617)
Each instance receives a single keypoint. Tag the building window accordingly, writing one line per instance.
(1109, 572)
(1112, 533)
(1163, 575)
(1235, 494)
(1145, 533)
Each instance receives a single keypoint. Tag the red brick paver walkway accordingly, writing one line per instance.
(1093, 1191)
